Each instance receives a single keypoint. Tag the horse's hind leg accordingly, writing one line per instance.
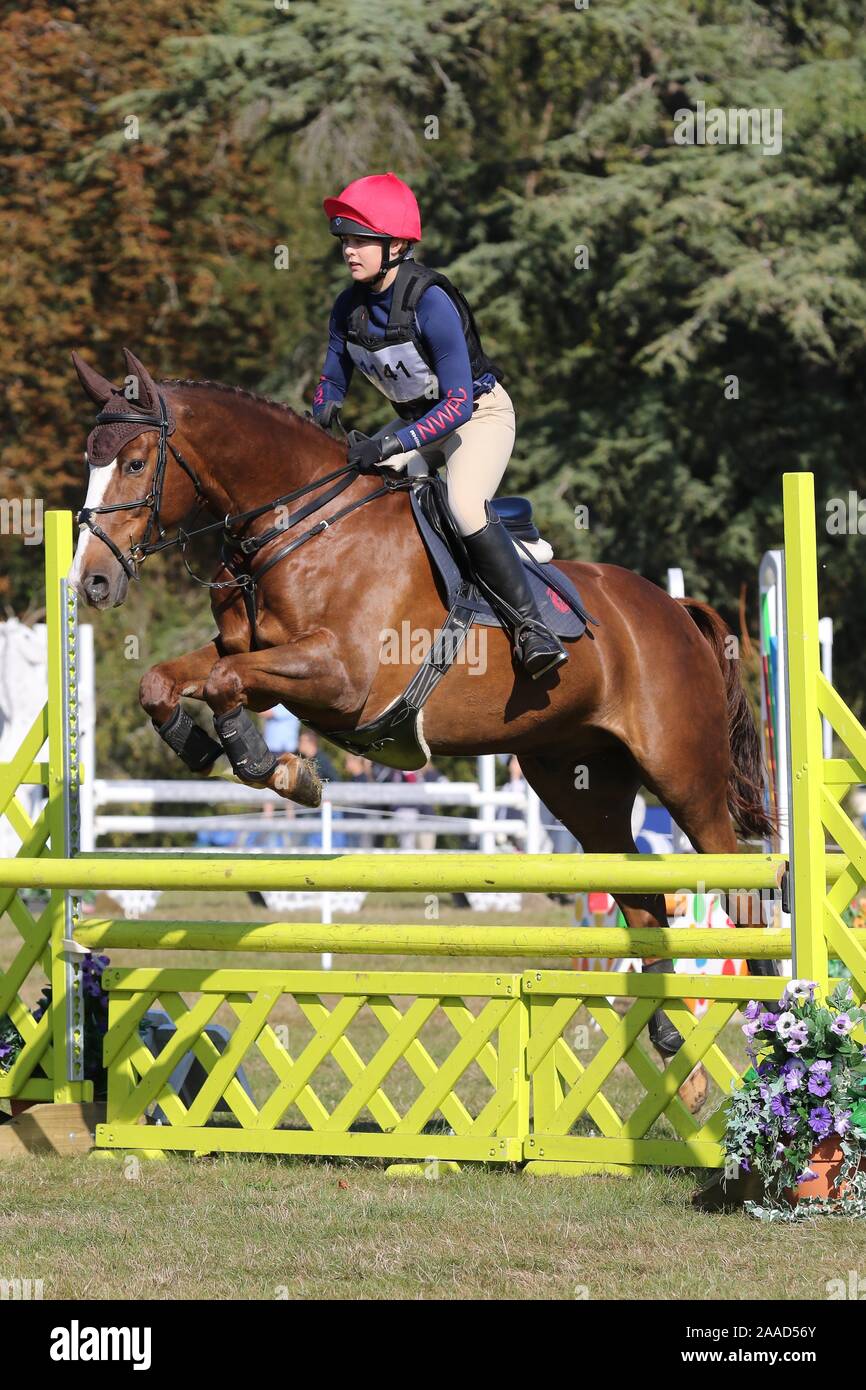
(696, 794)
(599, 815)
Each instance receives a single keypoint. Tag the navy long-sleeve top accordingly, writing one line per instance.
(438, 325)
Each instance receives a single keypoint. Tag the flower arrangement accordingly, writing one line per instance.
(807, 1082)
(95, 1023)
(10, 1042)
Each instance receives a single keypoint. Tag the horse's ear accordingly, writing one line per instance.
(97, 387)
(148, 398)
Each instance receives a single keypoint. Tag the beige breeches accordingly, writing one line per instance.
(476, 457)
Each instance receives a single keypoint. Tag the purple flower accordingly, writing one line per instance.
(841, 1025)
(791, 1124)
(768, 1022)
(744, 1165)
(807, 1176)
(821, 1121)
(780, 1106)
(793, 1064)
(752, 1010)
(750, 1029)
(793, 1072)
(842, 1121)
(819, 1085)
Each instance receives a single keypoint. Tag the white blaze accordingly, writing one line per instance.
(96, 489)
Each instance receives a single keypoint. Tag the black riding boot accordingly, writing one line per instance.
(497, 563)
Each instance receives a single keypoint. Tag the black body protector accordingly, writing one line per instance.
(398, 363)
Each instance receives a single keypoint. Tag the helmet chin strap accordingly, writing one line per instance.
(388, 263)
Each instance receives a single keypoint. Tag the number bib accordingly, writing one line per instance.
(398, 370)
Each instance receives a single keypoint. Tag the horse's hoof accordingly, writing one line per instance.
(298, 780)
(308, 786)
(695, 1089)
(665, 1037)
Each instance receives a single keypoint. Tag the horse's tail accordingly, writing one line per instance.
(748, 773)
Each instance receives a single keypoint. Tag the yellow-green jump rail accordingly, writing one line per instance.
(514, 1064)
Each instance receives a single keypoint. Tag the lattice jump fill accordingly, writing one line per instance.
(31, 959)
(400, 1066)
(840, 775)
(571, 1088)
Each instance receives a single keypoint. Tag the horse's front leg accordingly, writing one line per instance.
(160, 693)
(307, 672)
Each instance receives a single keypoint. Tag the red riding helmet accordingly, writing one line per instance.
(380, 205)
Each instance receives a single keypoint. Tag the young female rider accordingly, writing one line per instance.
(411, 332)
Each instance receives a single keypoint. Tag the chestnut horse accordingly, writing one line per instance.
(652, 697)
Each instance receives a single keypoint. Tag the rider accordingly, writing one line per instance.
(412, 334)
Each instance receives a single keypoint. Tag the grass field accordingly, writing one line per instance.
(238, 1228)
(218, 1228)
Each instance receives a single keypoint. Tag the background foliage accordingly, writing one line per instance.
(552, 129)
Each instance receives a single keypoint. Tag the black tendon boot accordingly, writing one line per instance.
(497, 563)
(188, 740)
(664, 1036)
(249, 755)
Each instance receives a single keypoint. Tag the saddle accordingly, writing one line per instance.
(558, 601)
(395, 736)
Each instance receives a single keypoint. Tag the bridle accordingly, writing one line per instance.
(237, 550)
(146, 546)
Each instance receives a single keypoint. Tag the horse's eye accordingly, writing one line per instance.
(135, 465)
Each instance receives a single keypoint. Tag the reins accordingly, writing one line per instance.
(236, 549)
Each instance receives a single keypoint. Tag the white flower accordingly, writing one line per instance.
(784, 1023)
(800, 991)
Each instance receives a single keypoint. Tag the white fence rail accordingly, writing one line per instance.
(405, 808)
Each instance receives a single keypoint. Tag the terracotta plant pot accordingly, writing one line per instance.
(826, 1161)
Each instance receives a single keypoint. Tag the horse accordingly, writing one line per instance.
(652, 697)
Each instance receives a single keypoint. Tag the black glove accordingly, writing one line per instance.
(364, 454)
(328, 414)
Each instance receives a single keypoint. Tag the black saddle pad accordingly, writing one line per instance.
(427, 495)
